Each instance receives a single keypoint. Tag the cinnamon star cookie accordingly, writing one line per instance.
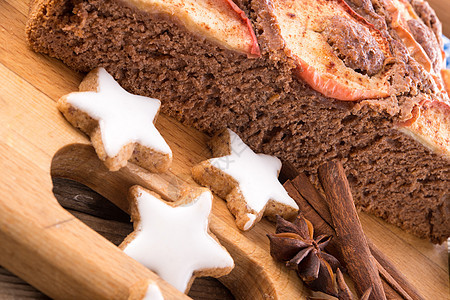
(120, 124)
(173, 239)
(246, 180)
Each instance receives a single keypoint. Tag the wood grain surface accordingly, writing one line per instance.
(40, 240)
(32, 132)
(113, 224)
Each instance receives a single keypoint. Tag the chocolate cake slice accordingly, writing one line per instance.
(305, 80)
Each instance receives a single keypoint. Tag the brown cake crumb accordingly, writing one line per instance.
(211, 88)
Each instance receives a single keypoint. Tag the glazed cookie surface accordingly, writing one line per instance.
(173, 239)
(246, 180)
(120, 124)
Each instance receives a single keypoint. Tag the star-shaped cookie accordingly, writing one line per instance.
(246, 180)
(152, 292)
(174, 240)
(120, 124)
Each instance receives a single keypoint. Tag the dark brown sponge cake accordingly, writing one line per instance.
(395, 172)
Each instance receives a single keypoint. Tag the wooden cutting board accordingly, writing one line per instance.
(53, 251)
(112, 223)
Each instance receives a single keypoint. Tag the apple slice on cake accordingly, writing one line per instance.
(220, 21)
(314, 33)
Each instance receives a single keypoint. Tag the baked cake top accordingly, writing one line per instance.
(221, 21)
(389, 59)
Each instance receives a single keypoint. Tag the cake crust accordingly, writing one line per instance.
(211, 87)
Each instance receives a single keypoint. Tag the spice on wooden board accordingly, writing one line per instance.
(351, 239)
(314, 208)
(344, 292)
(295, 244)
(309, 199)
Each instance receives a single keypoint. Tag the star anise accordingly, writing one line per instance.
(344, 292)
(294, 243)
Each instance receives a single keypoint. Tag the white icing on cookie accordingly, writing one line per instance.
(123, 117)
(251, 220)
(153, 293)
(256, 174)
(174, 241)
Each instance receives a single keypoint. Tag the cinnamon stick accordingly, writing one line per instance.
(387, 277)
(287, 172)
(391, 294)
(320, 225)
(391, 274)
(344, 292)
(352, 241)
(317, 201)
(309, 199)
